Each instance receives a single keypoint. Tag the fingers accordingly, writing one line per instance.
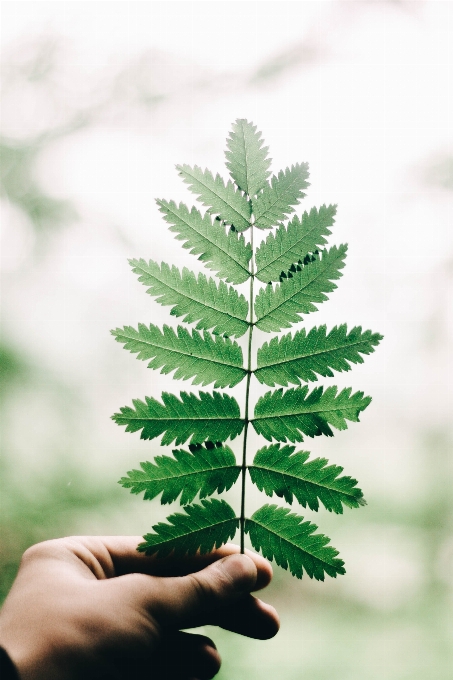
(188, 601)
(178, 656)
(109, 556)
(205, 597)
(186, 655)
(126, 560)
(250, 617)
(213, 588)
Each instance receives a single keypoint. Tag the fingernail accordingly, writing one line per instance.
(242, 571)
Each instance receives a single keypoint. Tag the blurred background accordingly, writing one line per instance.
(100, 101)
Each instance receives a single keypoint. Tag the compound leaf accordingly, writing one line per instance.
(247, 158)
(202, 528)
(227, 254)
(204, 472)
(221, 199)
(289, 415)
(205, 358)
(292, 243)
(277, 469)
(275, 201)
(300, 273)
(284, 537)
(280, 307)
(207, 417)
(303, 357)
(195, 299)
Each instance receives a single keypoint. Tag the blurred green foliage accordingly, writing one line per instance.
(13, 366)
(18, 185)
(51, 507)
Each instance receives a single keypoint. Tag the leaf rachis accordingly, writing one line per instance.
(247, 396)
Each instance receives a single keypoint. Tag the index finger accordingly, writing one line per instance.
(127, 560)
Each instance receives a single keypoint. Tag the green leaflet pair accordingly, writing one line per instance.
(297, 272)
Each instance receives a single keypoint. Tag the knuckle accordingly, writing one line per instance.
(209, 590)
(202, 590)
(141, 581)
(54, 547)
(39, 550)
(223, 579)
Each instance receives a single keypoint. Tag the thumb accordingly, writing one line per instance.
(189, 601)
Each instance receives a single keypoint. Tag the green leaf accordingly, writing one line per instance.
(292, 243)
(284, 537)
(247, 157)
(225, 253)
(202, 528)
(275, 202)
(296, 272)
(195, 299)
(275, 470)
(303, 357)
(280, 307)
(204, 472)
(205, 358)
(287, 415)
(208, 417)
(220, 199)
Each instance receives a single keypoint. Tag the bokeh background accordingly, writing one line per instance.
(100, 101)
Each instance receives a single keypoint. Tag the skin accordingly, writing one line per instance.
(94, 608)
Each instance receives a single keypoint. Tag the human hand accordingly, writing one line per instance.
(94, 608)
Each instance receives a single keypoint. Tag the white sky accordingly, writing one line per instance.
(254, 29)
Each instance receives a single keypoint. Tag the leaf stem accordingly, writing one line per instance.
(247, 394)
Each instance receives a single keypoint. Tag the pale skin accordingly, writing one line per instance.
(93, 608)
